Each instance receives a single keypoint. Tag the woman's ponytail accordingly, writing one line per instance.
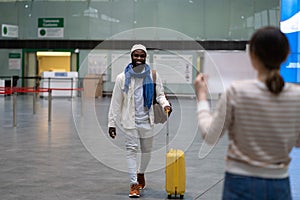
(274, 82)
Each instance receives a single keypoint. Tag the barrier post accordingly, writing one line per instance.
(11, 82)
(14, 109)
(33, 102)
(71, 87)
(49, 79)
(49, 104)
(34, 96)
(81, 101)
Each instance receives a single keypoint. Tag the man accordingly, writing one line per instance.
(131, 101)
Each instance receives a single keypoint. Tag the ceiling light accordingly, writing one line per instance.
(52, 53)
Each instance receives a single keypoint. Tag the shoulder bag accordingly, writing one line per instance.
(160, 116)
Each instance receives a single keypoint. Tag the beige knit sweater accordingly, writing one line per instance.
(262, 127)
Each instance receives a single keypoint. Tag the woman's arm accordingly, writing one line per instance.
(212, 125)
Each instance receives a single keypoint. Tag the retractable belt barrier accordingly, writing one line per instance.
(15, 90)
(11, 90)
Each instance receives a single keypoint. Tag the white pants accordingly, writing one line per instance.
(142, 135)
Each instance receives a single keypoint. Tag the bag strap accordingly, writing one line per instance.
(154, 76)
(154, 83)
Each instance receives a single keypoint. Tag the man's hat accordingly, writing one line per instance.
(138, 46)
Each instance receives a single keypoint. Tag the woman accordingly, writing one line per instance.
(262, 117)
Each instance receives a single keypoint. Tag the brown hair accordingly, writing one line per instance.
(271, 47)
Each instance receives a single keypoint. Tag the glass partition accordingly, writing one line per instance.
(101, 19)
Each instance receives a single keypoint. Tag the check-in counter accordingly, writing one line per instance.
(62, 83)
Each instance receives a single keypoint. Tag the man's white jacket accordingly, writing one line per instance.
(122, 104)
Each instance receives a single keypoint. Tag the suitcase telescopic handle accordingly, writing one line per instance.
(167, 135)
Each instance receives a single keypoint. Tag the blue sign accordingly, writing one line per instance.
(64, 74)
(290, 26)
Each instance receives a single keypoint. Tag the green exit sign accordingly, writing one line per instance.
(50, 22)
(51, 27)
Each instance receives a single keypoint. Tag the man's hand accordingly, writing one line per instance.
(112, 132)
(168, 110)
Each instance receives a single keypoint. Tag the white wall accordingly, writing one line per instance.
(224, 67)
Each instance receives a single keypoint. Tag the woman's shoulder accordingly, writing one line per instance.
(292, 88)
(255, 87)
(245, 85)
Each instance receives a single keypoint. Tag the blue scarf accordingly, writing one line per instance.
(148, 87)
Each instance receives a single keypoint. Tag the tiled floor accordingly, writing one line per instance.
(72, 158)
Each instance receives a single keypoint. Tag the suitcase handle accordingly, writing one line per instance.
(167, 135)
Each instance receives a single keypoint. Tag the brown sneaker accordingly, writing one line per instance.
(141, 181)
(134, 191)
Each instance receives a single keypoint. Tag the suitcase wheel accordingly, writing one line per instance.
(180, 196)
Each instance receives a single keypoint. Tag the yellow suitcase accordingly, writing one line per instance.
(175, 173)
